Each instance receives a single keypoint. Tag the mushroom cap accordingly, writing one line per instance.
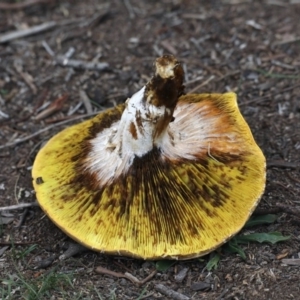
(187, 196)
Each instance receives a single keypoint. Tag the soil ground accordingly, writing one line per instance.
(250, 47)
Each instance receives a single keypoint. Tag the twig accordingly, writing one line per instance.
(165, 44)
(127, 275)
(3, 115)
(15, 6)
(146, 296)
(292, 39)
(80, 64)
(225, 291)
(202, 84)
(279, 208)
(55, 106)
(22, 140)
(26, 77)
(282, 65)
(26, 32)
(150, 276)
(129, 9)
(65, 61)
(193, 80)
(48, 48)
(291, 261)
(22, 218)
(228, 75)
(267, 97)
(18, 206)
(282, 164)
(74, 109)
(105, 271)
(292, 178)
(170, 293)
(86, 101)
(18, 243)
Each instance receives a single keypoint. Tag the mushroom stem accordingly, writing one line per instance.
(150, 110)
(142, 126)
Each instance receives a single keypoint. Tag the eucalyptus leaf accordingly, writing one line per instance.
(164, 265)
(233, 247)
(261, 220)
(271, 237)
(213, 262)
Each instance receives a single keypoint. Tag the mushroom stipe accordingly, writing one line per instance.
(164, 175)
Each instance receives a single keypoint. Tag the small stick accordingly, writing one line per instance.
(202, 84)
(165, 44)
(282, 65)
(282, 164)
(17, 243)
(129, 9)
(80, 64)
(4, 115)
(27, 78)
(193, 80)
(55, 106)
(279, 208)
(267, 97)
(292, 39)
(170, 293)
(48, 48)
(26, 32)
(127, 275)
(105, 271)
(291, 261)
(150, 276)
(292, 178)
(86, 101)
(23, 217)
(26, 138)
(18, 206)
(15, 6)
(65, 61)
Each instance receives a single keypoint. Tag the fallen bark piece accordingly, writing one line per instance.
(181, 275)
(170, 293)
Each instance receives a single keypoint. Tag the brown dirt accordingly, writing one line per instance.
(250, 47)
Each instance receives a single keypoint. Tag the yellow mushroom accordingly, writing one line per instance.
(164, 175)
